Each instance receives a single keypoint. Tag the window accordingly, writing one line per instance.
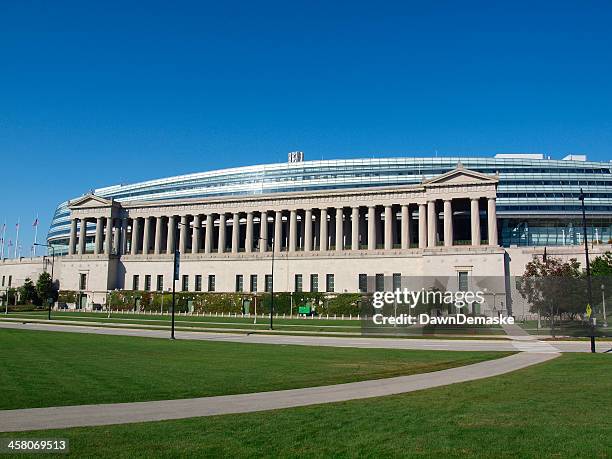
(314, 282)
(298, 283)
(268, 282)
(211, 282)
(329, 282)
(462, 277)
(135, 282)
(10, 280)
(397, 281)
(380, 283)
(363, 283)
(185, 283)
(239, 282)
(82, 281)
(253, 283)
(3, 279)
(198, 283)
(160, 283)
(147, 283)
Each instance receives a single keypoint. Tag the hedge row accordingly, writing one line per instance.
(209, 302)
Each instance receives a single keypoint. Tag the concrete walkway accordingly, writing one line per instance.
(474, 344)
(123, 413)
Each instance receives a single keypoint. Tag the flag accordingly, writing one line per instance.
(35, 224)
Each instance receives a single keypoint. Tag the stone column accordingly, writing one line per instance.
(339, 228)
(432, 224)
(388, 227)
(210, 225)
(371, 228)
(263, 231)
(323, 230)
(171, 240)
(146, 240)
(135, 231)
(98, 238)
(405, 231)
(248, 240)
(73, 236)
(422, 226)
(475, 221)
(124, 233)
(235, 232)
(196, 235)
(492, 221)
(158, 235)
(355, 228)
(116, 238)
(278, 231)
(221, 242)
(183, 234)
(82, 236)
(292, 230)
(448, 223)
(109, 236)
(307, 230)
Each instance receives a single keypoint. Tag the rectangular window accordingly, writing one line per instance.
(185, 283)
(363, 283)
(198, 283)
(3, 279)
(253, 283)
(239, 282)
(160, 283)
(82, 281)
(314, 282)
(10, 280)
(135, 282)
(147, 283)
(329, 283)
(268, 282)
(298, 283)
(380, 283)
(211, 282)
(397, 281)
(462, 277)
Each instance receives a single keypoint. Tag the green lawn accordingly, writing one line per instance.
(53, 368)
(559, 409)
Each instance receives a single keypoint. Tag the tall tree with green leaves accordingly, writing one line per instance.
(45, 288)
(28, 294)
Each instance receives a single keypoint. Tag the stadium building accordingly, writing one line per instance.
(329, 225)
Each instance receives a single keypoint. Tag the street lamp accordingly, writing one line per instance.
(52, 266)
(175, 273)
(271, 283)
(588, 267)
(603, 305)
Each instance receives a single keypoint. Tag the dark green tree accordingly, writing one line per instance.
(602, 265)
(28, 294)
(45, 288)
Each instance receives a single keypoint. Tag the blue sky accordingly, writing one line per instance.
(93, 95)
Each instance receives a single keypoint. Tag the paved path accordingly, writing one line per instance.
(358, 342)
(123, 413)
(525, 342)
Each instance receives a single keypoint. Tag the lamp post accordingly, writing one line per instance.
(50, 247)
(603, 305)
(271, 283)
(588, 267)
(175, 274)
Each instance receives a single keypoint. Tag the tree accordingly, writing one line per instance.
(27, 293)
(45, 288)
(553, 287)
(602, 265)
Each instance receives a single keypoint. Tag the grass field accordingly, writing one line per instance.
(52, 368)
(559, 409)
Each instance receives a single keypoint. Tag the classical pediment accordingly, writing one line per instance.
(90, 201)
(461, 176)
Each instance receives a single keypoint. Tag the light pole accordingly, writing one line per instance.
(175, 274)
(50, 247)
(603, 305)
(271, 283)
(588, 268)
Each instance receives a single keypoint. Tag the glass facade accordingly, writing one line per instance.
(537, 198)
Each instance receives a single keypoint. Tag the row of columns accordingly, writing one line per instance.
(150, 237)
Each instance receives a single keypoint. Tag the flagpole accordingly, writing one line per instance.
(17, 239)
(3, 239)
